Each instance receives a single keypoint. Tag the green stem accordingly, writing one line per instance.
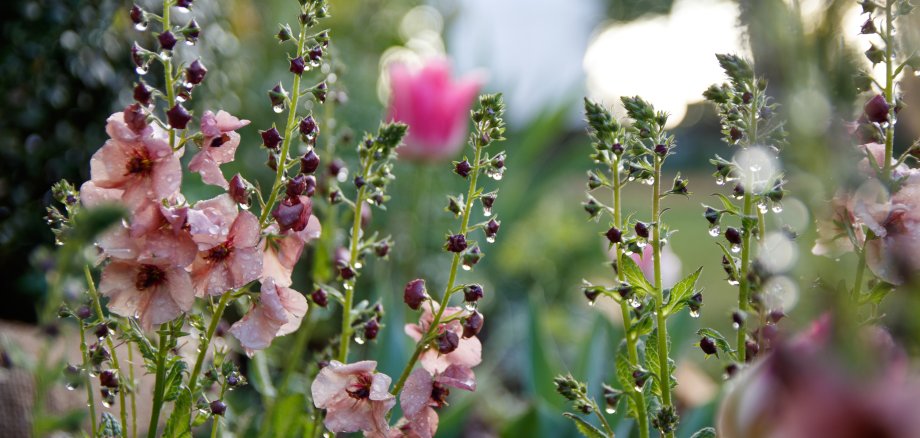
(454, 266)
(632, 348)
(133, 390)
(168, 73)
(889, 91)
(745, 286)
(345, 339)
(288, 133)
(122, 408)
(604, 423)
(90, 398)
(664, 372)
(159, 385)
(203, 349)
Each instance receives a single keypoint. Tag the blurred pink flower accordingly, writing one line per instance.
(801, 390)
(670, 265)
(219, 146)
(354, 396)
(467, 354)
(279, 311)
(422, 393)
(281, 251)
(228, 243)
(140, 163)
(434, 105)
(894, 256)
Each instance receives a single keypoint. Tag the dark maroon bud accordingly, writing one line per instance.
(320, 297)
(695, 302)
(101, 331)
(751, 349)
(308, 128)
(492, 229)
(135, 118)
(641, 230)
(184, 4)
(316, 53)
(472, 324)
(711, 215)
(617, 148)
(499, 161)
(776, 315)
(472, 293)
(271, 138)
(462, 168)
(735, 134)
(108, 396)
(346, 272)
(142, 93)
(233, 380)
(868, 27)
(296, 186)
(292, 214)
(167, 40)
(661, 150)
(136, 56)
(488, 200)
(323, 38)
(137, 15)
(456, 243)
(239, 190)
(336, 167)
(371, 329)
(730, 370)
(382, 248)
(640, 377)
(310, 189)
(708, 346)
(747, 97)
(278, 96)
(447, 342)
(335, 196)
(359, 181)
(272, 162)
(178, 117)
(298, 66)
(191, 32)
(614, 235)
(733, 236)
(877, 109)
(218, 407)
(222, 329)
(84, 312)
(415, 294)
(591, 293)
(309, 162)
(319, 92)
(738, 318)
(738, 191)
(108, 379)
(194, 74)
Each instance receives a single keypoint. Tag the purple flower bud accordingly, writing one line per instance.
(101, 331)
(708, 346)
(240, 190)
(472, 293)
(382, 248)
(735, 134)
(346, 272)
(108, 379)
(298, 66)
(296, 186)
(488, 200)
(310, 189)
(447, 342)
(319, 92)
(315, 54)
(415, 294)
(738, 318)
(641, 230)
(233, 380)
(614, 235)
(309, 162)
(142, 93)
(194, 74)
(291, 214)
(320, 297)
(617, 149)
(277, 95)
(184, 4)
(178, 117)
(868, 27)
(136, 55)
(463, 168)
(711, 215)
(271, 138)
(877, 110)
(371, 329)
(191, 32)
(137, 15)
(456, 243)
(472, 324)
(492, 228)
(167, 40)
(359, 181)
(751, 349)
(135, 118)
(336, 167)
(218, 407)
(775, 316)
(746, 97)
(308, 127)
(284, 34)
(661, 150)
(84, 312)
(733, 236)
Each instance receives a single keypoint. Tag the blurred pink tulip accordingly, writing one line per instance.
(434, 105)
(670, 265)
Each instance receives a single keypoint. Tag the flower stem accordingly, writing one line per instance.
(168, 73)
(664, 372)
(744, 290)
(91, 285)
(345, 341)
(203, 349)
(288, 133)
(889, 90)
(454, 266)
(159, 385)
(133, 390)
(631, 347)
(90, 399)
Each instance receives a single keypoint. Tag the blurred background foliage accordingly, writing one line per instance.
(64, 67)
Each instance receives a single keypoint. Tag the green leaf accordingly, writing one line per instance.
(634, 275)
(148, 351)
(109, 427)
(643, 326)
(876, 294)
(727, 205)
(585, 428)
(721, 343)
(174, 379)
(706, 432)
(179, 423)
(680, 292)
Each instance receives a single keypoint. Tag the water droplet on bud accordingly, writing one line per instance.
(694, 313)
(715, 231)
(359, 340)
(278, 108)
(736, 248)
(142, 26)
(610, 410)
(777, 208)
(720, 181)
(141, 70)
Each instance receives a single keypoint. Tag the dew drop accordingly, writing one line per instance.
(358, 265)
(777, 208)
(736, 326)
(278, 108)
(694, 313)
(105, 402)
(630, 179)
(71, 386)
(486, 211)
(627, 252)
(182, 9)
(142, 26)
(762, 206)
(467, 267)
(359, 340)
(736, 248)
(634, 302)
(610, 410)
(490, 239)
(641, 243)
(141, 69)
(720, 181)
(165, 55)
(638, 388)
(189, 42)
(733, 282)
(591, 303)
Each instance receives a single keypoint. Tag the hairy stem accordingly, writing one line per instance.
(206, 343)
(122, 408)
(664, 372)
(744, 291)
(889, 89)
(160, 385)
(133, 390)
(90, 398)
(345, 341)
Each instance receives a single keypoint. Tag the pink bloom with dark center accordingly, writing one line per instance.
(141, 164)
(434, 105)
(355, 397)
(424, 392)
(219, 146)
(281, 251)
(279, 312)
(468, 353)
(228, 242)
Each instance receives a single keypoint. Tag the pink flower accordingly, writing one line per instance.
(92, 195)
(228, 243)
(354, 396)
(160, 247)
(422, 393)
(219, 146)
(281, 251)
(894, 256)
(434, 106)
(467, 354)
(279, 312)
(141, 164)
(670, 265)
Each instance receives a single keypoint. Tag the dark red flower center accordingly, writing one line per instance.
(149, 276)
(439, 394)
(220, 252)
(219, 141)
(139, 164)
(361, 389)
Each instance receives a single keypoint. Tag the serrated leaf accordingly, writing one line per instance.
(586, 429)
(706, 432)
(635, 276)
(642, 327)
(136, 335)
(174, 379)
(179, 423)
(653, 362)
(721, 343)
(109, 427)
(680, 292)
